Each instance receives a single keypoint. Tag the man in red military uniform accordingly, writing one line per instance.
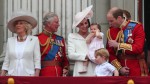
(125, 44)
(53, 61)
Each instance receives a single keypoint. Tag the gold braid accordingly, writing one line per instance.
(47, 41)
(119, 38)
(118, 35)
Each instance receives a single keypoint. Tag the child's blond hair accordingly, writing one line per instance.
(102, 52)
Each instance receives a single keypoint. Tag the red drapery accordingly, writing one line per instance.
(76, 80)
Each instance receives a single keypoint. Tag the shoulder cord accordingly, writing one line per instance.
(119, 35)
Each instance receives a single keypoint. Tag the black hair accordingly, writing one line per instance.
(88, 23)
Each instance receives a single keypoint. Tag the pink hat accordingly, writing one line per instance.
(86, 13)
(21, 15)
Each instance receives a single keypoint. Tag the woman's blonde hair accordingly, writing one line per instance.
(102, 52)
(28, 27)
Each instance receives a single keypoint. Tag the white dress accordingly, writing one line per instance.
(19, 70)
(95, 44)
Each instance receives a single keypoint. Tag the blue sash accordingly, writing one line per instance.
(52, 53)
(129, 28)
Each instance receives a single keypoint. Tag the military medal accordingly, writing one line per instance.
(62, 43)
(130, 40)
(59, 53)
(52, 40)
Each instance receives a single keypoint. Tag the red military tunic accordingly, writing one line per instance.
(129, 50)
(55, 66)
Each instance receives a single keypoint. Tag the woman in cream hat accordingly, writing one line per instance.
(23, 51)
(77, 47)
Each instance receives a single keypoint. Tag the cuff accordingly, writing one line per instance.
(125, 46)
(116, 64)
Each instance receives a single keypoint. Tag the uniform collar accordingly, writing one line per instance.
(47, 32)
(123, 24)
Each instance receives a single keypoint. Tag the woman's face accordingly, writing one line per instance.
(83, 26)
(20, 27)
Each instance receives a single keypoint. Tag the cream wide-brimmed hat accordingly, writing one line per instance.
(21, 15)
(86, 13)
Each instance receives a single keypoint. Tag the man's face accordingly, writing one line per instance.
(113, 22)
(54, 24)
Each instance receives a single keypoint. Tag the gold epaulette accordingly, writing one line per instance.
(116, 64)
(135, 21)
(125, 46)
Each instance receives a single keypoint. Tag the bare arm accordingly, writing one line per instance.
(116, 73)
(3, 73)
(37, 72)
(99, 34)
(89, 38)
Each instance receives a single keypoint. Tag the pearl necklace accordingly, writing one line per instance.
(22, 38)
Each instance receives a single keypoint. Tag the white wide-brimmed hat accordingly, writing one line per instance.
(21, 15)
(86, 13)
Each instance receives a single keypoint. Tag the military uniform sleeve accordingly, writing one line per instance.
(65, 59)
(136, 47)
(113, 58)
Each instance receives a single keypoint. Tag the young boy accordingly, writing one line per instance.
(104, 68)
(94, 41)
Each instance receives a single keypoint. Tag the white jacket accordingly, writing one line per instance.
(30, 60)
(77, 51)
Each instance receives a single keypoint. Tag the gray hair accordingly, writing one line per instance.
(48, 17)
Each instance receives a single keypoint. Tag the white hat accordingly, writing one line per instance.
(86, 13)
(21, 15)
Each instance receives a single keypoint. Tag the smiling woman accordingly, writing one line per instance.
(77, 48)
(22, 28)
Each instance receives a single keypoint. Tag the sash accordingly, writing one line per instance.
(128, 30)
(53, 51)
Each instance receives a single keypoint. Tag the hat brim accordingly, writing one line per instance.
(28, 19)
(85, 11)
